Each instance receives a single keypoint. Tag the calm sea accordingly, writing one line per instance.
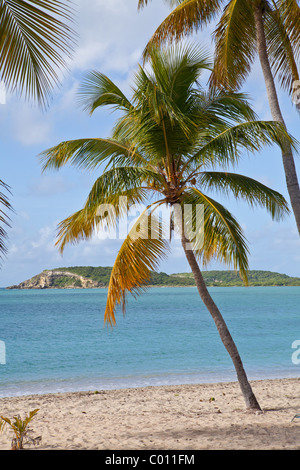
(56, 340)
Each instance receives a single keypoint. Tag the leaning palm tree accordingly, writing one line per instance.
(36, 39)
(171, 143)
(270, 28)
(4, 219)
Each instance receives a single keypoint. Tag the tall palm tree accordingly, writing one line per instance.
(36, 39)
(270, 28)
(171, 143)
(4, 219)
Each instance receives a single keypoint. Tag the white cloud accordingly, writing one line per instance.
(276, 247)
(49, 185)
(113, 33)
(30, 252)
(45, 239)
(29, 127)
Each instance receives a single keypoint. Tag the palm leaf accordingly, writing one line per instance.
(137, 258)
(36, 39)
(30, 417)
(235, 45)
(78, 226)
(98, 90)
(188, 16)
(87, 153)
(166, 103)
(118, 181)
(226, 107)
(228, 146)
(104, 199)
(289, 11)
(177, 68)
(247, 189)
(4, 422)
(223, 237)
(156, 102)
(280, 50)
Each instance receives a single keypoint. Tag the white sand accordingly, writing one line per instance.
(164, 418)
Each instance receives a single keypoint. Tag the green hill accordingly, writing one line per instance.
(97, 277)
(212, 278)
(99, 274)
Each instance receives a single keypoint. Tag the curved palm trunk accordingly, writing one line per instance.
(287, 154)
(4, 219)
(250, 399)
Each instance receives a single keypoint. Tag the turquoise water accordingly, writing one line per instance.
(56, 341)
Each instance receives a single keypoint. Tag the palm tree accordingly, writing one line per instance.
(4, 202)
(171, 143)
(270, 28)
(36, 39)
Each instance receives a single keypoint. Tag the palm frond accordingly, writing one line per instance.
(163, 96)
(78, 226)
(177, 68)
(227, 108)
(132, 182)
(104, 206)
(228, 146)
(98, 90)
(189, 16)
(247, 189)
(36, 39)
(223, 239)
(235, 45)
(289, 11)
(166, 101)
(280, 50)
(139, 255)
(87, 153)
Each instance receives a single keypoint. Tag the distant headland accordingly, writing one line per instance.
(88, 277)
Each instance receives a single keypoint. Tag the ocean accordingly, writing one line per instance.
(56, 341)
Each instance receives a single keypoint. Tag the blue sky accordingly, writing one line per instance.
(112, 35)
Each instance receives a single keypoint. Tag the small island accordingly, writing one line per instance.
(89, 277)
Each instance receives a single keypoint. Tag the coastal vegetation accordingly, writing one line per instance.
(268, 29)
(101, 276)
(173, 142)
(231, 278)
(21, 430)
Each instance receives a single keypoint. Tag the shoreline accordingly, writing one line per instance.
(195, 417)
(147, 287)
(40, 387)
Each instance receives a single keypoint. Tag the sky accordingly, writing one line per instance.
(112, 35)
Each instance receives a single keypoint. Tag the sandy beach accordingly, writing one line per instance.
(190, 417)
